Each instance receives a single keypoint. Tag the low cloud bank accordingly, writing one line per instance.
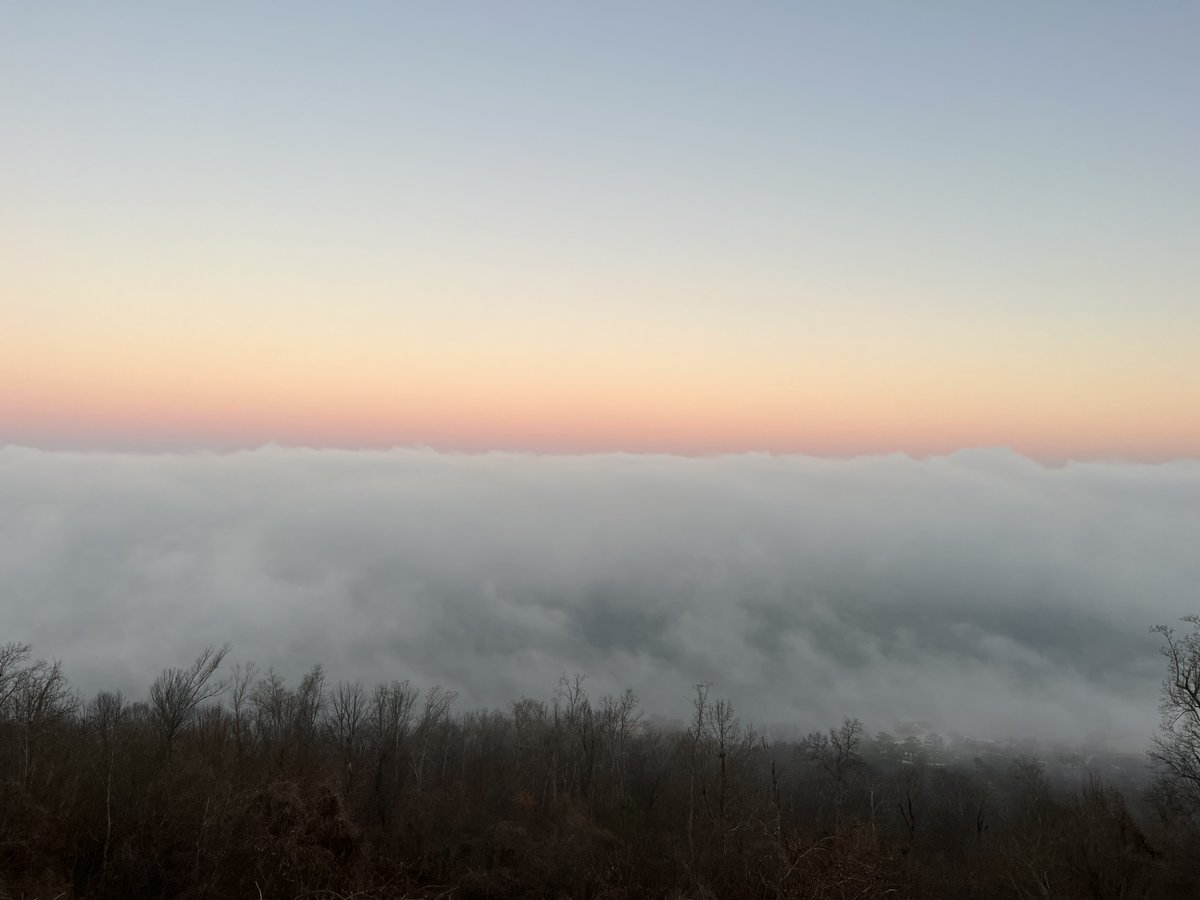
(980, 591)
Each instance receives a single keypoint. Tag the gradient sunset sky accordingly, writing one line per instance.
(833, 228)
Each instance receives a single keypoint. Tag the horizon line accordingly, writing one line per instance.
(1043, 461)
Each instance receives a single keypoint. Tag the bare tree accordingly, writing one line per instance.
(529, 720)
(619, 720)
(732, 743)
(240, 681)
(12, 655)
(838, 752)
(580, 722)
(40, 699)
(176, 693)
(438, 701)
(307, 703)
(694, 737)
(1175, 750)
(346, 721)
(107, 714)
(389, 721)
(272, 703)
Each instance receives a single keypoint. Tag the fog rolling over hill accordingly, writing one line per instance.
(981, 592)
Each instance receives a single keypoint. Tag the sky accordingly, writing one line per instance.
(691, 228)
(980, 592)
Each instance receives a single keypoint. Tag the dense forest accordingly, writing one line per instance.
(226, 781)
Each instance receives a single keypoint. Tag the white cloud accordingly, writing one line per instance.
(981, 591)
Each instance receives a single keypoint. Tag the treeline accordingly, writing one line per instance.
(227, 782)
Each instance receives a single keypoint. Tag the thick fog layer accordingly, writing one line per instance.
(981, 591)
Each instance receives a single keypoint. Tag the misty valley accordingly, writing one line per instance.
(882, 677)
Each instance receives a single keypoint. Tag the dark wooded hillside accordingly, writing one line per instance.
(225, 781)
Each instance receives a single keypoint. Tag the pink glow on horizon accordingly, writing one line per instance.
(153, 427)
(95, 392)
